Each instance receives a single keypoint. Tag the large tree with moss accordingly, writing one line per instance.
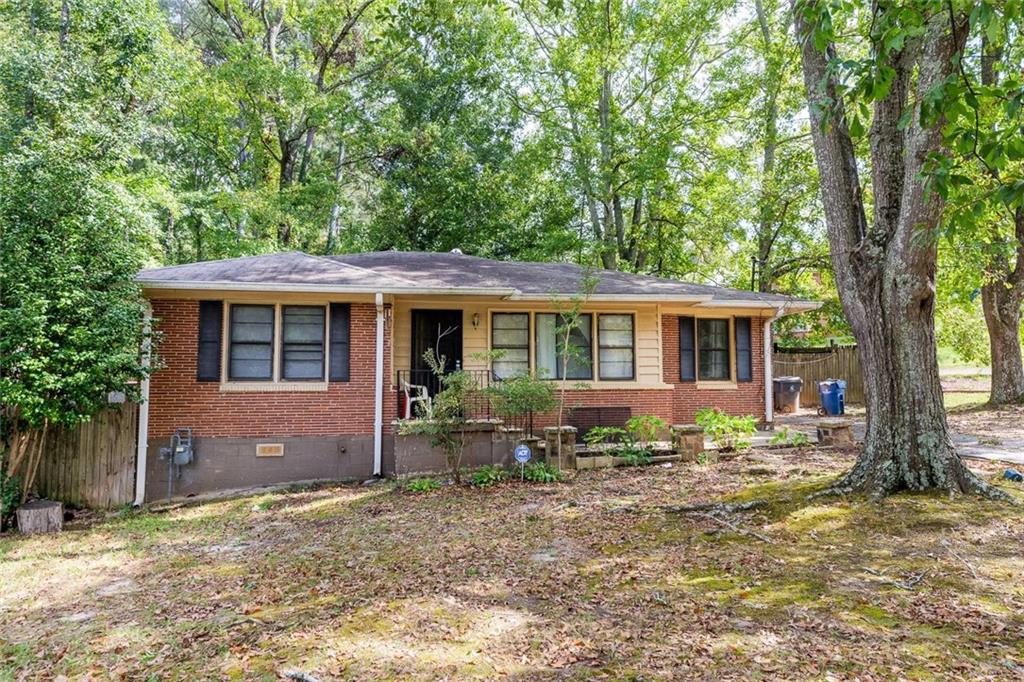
(884, 78)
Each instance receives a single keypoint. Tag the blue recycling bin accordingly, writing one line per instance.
(832, 393)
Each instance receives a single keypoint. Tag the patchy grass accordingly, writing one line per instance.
(580, 580)
(966, 400)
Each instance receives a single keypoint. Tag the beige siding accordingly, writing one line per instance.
(476, 339)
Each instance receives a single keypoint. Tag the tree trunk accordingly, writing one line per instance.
(335, 222)
(885, 270)
(1001, 304)
(1003, 290)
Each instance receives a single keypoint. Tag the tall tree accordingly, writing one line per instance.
(884, 258)
(788, 242)
(986, 191)
(628, 93)
(77, 81)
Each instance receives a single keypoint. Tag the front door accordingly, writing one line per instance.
(439, 331)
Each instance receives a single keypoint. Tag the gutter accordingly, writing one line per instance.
(143, 434)
(378, 389)
(507, 293)
(324, 288)
(769, 408)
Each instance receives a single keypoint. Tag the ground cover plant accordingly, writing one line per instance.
(726, 572)
(726, 431)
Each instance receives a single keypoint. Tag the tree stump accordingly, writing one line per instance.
(40, 516)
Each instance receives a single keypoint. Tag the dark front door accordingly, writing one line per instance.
(439, 331)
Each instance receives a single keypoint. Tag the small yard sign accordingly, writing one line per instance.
(522, 454)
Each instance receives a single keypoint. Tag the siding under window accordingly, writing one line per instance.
(251, 354)
(211, 317)
(341, 316)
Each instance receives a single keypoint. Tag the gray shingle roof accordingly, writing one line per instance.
(454, 269)
(413, 272)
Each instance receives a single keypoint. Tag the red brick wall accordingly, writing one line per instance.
(177, 399)
(747, 398)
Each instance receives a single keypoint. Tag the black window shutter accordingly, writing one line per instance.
(687, 354)
(744, 354)
(211, 316)
(340, 321)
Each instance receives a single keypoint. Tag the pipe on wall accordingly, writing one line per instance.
(143, 434)
(769, 409)
(378, 390)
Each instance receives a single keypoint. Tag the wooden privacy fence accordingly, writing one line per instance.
(92, 464)
(818, 364)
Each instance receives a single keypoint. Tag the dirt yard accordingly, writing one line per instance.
(1004, 424)
(590, 579)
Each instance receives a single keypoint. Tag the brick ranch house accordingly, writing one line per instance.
(290, 367)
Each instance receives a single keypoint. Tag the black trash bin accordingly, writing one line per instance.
(787, 393)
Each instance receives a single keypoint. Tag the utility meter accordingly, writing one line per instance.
(181, 446)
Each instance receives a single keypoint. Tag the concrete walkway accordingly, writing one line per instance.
(968, 445)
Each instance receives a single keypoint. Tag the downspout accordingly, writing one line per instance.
(769, 410)
(143, 433)
(378, 389)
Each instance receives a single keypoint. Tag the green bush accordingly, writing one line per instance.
(727, 432)
(600, 435)
(634, 454)
(541, 472)
(488, 475)
(521, 395)
(792, 438)
(645, 427)
(10, 498)
(421, 485)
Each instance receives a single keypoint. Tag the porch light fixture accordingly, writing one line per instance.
(476, 320)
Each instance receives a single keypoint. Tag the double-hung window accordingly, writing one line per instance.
(550, 336)
(615, 343)
(251, 352)
(257, 350)
(713, 349)
(302, 342)
(510, 336)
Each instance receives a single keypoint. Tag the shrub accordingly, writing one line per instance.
(726, 431)
(488, 475)
(521, 395)
(421, 485)
(599, 435)
(645, 427)
(541, 472)
(634, 454)
(10, 498)
(791, 438)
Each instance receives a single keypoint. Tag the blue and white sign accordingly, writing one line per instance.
(522, 453)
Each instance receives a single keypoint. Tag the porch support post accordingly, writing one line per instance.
(378, 389)
(769, 410)
(143, 433)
